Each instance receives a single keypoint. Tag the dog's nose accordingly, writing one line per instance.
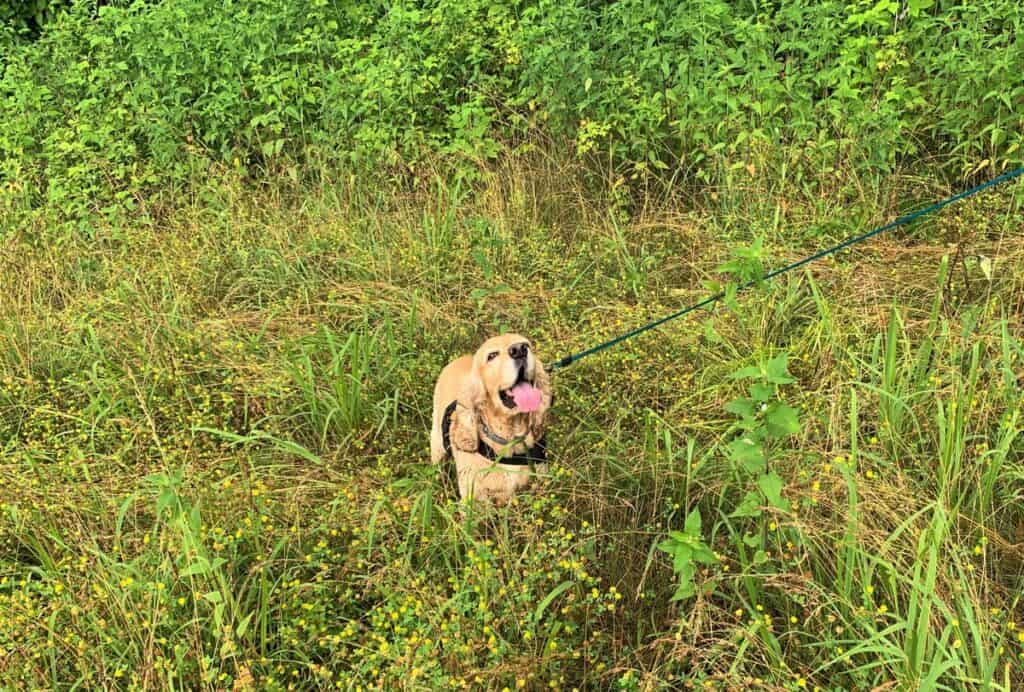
(518, 351)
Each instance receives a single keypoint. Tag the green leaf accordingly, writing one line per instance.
(730, 297)
(776, 370)
(705, 555)
(199, 567)
(555, 593)
(747, 373)
(678, 546)
(781, 420)
(771, 485)
(710, 334)
(760, 392)
(670, 545)
(748, 454)
(692, 525)
(741, 407)
(685, 588)
(243, 625)
(681, 558)
(749, 506)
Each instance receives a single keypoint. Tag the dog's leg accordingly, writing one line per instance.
(466, 483)
(436, 441)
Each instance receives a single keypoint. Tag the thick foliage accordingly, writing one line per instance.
(111, 98)
(27, 17)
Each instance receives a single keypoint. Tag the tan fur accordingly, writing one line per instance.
(475, 382)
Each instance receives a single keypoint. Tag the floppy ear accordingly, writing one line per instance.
(464, 434)
(538, 418)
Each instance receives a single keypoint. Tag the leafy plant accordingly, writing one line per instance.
(763, 416)
(688, 550)
(109, 100)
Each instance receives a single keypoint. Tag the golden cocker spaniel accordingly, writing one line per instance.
(490, 410)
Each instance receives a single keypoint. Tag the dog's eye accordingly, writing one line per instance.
(492, 355)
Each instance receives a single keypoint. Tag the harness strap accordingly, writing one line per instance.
(446, 427)
(537, 454)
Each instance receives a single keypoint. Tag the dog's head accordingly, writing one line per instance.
(508, 379)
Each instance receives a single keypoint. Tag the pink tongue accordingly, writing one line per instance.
(526, 396)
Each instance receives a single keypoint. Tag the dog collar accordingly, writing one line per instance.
(498, 439)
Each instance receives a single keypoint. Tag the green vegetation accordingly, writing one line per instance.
(238, 241)
(111, 104)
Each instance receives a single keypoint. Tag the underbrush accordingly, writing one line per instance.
(105, 104)
(213, 429)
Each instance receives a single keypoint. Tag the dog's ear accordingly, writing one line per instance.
(538, 418)
(465, 423)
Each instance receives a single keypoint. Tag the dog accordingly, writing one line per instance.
(490, 411)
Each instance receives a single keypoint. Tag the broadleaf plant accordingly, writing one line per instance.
(687, 549)
(763, 418)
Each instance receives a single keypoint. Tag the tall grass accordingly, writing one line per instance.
(212, 492)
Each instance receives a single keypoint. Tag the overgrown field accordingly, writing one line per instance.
(215, 445)
(238, 241)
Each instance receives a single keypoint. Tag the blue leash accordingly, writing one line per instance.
(901, 221)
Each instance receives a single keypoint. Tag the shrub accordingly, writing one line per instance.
(111, 99)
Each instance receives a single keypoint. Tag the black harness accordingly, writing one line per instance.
(537, 454)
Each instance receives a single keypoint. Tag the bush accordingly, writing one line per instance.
(110, 100)
(28, 17)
